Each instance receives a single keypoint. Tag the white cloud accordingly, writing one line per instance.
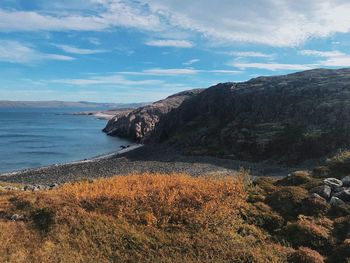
(106, 80)
(169, 43)
(271, 22)
(318, 53)
(273, 66)
(220, 71)
(13, 21)
(79, 51)
(331, 58)
(252, 54)
(114, 14)
(54, 56)
(95, 41)
(176, 72)
(16, 52)
(190, 62)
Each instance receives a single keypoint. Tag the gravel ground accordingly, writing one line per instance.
(144, 159)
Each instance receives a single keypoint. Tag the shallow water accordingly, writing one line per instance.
(37, 137)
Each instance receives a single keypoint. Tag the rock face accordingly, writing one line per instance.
(290, 118)
(137, 124)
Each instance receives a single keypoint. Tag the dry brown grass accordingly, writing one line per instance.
(136, 218)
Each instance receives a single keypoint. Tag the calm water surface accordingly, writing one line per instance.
(37, 137)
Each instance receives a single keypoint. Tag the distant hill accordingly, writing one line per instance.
(65, 104)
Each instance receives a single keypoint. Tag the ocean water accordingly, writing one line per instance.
(38, 137)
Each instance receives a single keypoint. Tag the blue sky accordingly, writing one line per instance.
(137, 51)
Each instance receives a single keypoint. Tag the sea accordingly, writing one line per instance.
(36, 137)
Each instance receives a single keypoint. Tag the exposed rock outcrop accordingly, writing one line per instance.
(137, 124)
(290, 118)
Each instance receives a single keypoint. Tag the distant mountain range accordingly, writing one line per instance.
(66, 104)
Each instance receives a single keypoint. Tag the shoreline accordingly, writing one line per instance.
(86, 160)
(141, 159)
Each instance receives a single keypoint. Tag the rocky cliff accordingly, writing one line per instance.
(138, 123)
(289, 118)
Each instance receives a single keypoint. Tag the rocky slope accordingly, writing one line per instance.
(290, 118)
(138, 123)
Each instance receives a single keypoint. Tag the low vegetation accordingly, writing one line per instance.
(137, 218)
(174, 218)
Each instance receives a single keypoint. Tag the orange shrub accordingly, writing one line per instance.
(136, 218)
(158, 199)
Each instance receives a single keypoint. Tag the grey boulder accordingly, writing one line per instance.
(333, 182)
(16, 217)
(335, 201)
(338, 189)
(323, 190)
(31, 188)
(344, 195)
(346, 181)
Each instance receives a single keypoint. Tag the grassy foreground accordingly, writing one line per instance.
(137, 218)
(172, 218)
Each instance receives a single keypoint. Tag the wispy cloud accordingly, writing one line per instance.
(318, 53)
(79, 51)
(252, 54)
(16, 52)
(95, 41)
(274, 23)
(228, 22)
(331, 58)
(190, 62)
(170, 43)
(114, 79)
(172, 71)
(177, 72)
(273, 66)
(114, 14)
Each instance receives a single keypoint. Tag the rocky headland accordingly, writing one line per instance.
(139, 123)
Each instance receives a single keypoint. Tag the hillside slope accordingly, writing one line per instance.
(137, 124)
(290, 118)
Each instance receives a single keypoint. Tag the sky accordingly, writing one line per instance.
(143, 50)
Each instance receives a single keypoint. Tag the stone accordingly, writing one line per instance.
(346, 181)
(339, 189)
(323, 190)
(9, 188)
(333, 182)
(16, 217)
(335, 201)
(31, 188)
(52, 186)
(344, 195)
